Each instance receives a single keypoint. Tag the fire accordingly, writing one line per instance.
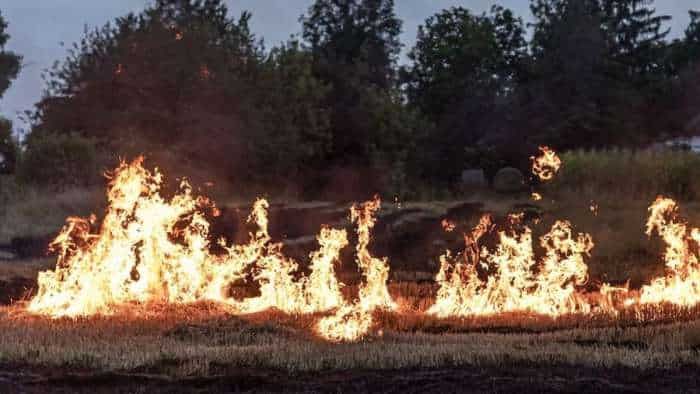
(681, 285)
(593, 208)
(374, 293)
(149, 249)
(152, 249)
(536, 196)
(518, 281)
(546, 165)
(448, 225)
(351, 322)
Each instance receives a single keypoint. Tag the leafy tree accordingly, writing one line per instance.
(686, 52)
(8, 148)
(356, 39)
(458, 53)
(293, 133)
(173, 81)
(9, 61)
(355, 45)
(465, 70)
(9, 68)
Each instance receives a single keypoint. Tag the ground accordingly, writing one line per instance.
(203, 348)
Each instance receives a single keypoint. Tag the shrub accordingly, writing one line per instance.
(59, 160)
(508, 180)
(8, 147)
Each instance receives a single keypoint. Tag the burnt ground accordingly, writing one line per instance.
(464, 380)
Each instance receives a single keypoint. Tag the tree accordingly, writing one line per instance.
(465, 70)
(458, 53)
(355, 45)
(173, 81)
(572, 98)
(293, 132)
(357, 36)
(9, 68)
(8, 147)
(637, 37)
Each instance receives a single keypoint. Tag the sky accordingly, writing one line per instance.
(43, 30)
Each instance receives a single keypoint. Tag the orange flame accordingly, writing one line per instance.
(681, 285)
(514, 285)
(152, 249)
(546, 165)
(149, 249)
(351, 322)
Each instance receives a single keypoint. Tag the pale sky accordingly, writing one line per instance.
(39, 27)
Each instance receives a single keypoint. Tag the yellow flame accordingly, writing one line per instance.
(154, 249)
(448, 225)
(681, 284)
(515, 284)
(149, 249)
(352, 322)
(546, 165)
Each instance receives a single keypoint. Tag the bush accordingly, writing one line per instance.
(509, 180)
(59, 160)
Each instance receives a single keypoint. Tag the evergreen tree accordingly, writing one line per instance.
(637, 37)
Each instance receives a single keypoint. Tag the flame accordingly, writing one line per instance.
(149, 249)
(536, 196)
(349, 323)
(448, 225)
(593, 208)
(546, 165)
(515, 285)
(374, 292)
(681, 284)
(152, 249)
(352, 322)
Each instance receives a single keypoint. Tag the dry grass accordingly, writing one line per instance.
(202, 340)
(34, 212)
(25, 269)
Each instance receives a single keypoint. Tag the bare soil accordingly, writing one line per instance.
(525, 379)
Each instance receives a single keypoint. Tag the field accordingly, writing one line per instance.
(204, 346)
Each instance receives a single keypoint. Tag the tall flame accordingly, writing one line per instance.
(351, 322)
(149, 249)
(681, 284)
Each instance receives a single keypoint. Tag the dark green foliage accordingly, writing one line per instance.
(465, 70)
(355, 44)
(458, 54)
(334, 115)
(8, 148)
(294, 131)
(10, 62)
(59, 161)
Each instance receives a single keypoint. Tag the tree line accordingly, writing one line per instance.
(333, 110)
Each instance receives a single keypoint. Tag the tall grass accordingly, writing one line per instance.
(631, 174)
(34, 211)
